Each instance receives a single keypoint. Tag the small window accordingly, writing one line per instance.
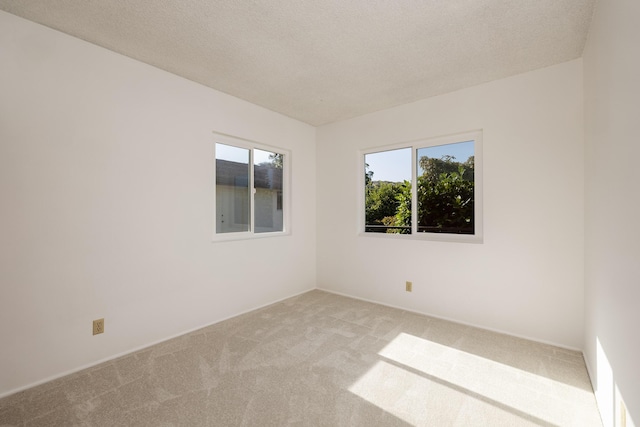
(430, 189)
(250, 190)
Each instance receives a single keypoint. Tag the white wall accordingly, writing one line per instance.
(527, 277)
(612, 255)
(106, 192)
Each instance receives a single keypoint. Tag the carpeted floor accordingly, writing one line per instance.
(322, 360)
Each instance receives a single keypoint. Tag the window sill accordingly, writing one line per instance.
(431, 237)
(230, 237)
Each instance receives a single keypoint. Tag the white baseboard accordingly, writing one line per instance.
(579, 350)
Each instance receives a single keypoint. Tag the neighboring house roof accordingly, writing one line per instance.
(236, 174)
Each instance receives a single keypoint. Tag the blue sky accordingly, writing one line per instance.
(395, 165)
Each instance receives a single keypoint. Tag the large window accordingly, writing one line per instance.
(428, 189)
(251, 189)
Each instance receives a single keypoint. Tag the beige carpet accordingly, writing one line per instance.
(322, 360)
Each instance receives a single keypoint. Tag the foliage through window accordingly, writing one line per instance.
(387, 185)
(429, 189)
(250, 190)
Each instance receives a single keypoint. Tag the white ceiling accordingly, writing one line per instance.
(321, 61)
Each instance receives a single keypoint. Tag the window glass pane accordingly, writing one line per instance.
(388, 191)
(232, 189)
(446, 188)
(267, 180)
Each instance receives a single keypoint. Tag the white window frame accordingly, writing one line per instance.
(250, 145)
(478, 235)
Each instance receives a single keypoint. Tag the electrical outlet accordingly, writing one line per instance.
(98, 326)
(409, 286)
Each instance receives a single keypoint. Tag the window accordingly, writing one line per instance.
(430, 189)
(251, 189)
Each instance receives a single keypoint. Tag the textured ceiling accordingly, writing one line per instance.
(320, 61)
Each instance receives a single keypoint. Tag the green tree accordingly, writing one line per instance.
(276, 160)
(381, 201)
(368, 175)
(403, 211)
(446, 205)
(432, 168)
(445, 196)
